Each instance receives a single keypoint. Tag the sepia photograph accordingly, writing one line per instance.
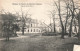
(39, 25)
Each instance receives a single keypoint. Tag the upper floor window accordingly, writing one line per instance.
(31, 25)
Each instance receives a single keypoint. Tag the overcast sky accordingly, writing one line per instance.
(39, 10)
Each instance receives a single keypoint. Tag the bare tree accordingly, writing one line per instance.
(24, 19)
(71, 7)
(78, 18)
(61, 22)
(53, 18)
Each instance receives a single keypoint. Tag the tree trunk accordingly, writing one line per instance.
(65, 27)
(66, 21)
(62, 36)
(72, 11)
(79, 32)
(79, 26)
(23, 27)
(75, 26)
(59, 10)
(54, 27)
(70, 31)
(22, 30)
(7, 36)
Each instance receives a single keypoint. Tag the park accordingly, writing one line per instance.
(47, 26)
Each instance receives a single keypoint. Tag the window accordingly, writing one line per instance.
(31, 25)
(37, 30)
(34, 30)
(28, 30)
(31, 30)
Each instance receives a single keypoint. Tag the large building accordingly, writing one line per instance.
(32, 26)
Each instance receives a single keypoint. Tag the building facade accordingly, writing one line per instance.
(33, 26)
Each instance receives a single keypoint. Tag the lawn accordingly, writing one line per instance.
(38, 43)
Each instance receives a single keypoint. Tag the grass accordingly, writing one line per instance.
(38, 43)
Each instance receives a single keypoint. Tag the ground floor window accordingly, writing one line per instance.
(31, 30)
(34, 30)
(28, 30)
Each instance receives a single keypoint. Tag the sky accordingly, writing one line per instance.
(38, 9)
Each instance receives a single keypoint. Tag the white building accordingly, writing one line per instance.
(33, 26)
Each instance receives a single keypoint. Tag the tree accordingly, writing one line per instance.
(8, 20)
(53, 18)
(67, 17)
(59, 14)
(14, 29)
(24, 18)
(78, 18)
(72, 7)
